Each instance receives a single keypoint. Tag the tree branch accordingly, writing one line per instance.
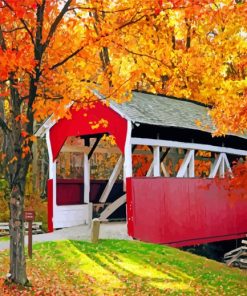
(13, 30)
(56, 23)
(132, 21)
(2, 41)
(67, 58)
(21, 19)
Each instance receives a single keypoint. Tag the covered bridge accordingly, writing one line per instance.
(165, 205)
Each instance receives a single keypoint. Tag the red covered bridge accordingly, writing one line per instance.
(164, 206)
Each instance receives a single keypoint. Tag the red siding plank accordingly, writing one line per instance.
(129, 207)
(183, 211)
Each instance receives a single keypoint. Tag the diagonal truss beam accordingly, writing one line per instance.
(187, 168)
(112, 179)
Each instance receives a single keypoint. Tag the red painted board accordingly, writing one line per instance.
(130, 212)
(183, 211)
(50, 204)
(81, 124)
(70, 192)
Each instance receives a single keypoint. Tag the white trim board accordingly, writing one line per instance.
(183, 145)
(49, 123)
(187, 168)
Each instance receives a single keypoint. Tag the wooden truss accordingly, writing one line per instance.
(159, 148)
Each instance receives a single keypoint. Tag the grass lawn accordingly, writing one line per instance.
(115, 267)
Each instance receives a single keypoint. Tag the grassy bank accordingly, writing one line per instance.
(115, 267)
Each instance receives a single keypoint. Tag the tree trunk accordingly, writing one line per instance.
(17, 233)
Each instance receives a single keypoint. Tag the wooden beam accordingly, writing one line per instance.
(115, 173)
(128, 154)
(191, 168)
(164, 154)
(113, 207)
(150, 170)
(87, 142)
(83, 149)
(156, 161)
(187, 167)
(222, 167)
(86, 178)
(52, 175)
(227, 163)
(215, 166)
(48, 143)
(163, 168)
(183, 145)
(94, 146)
(162, 157)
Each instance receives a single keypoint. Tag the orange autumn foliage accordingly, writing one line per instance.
(53, 53)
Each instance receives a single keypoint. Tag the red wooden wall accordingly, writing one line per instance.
(182, 211)
(70, 192)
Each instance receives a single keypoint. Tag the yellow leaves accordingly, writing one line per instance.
(109, 139)
(101, 123)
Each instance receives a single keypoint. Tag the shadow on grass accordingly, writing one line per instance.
(114, 267)
(132, 272)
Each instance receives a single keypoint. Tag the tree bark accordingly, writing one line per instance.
(17, 232)
(16, 172)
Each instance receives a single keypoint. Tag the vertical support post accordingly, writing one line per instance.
(222, 167)
(187, 167)
(128, 154)
(191, 169)
(217, 166)
(53, 177)
(156, 167)
(54, 188)
(86, 178)
(95, 230)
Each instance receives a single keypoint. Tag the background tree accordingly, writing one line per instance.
(54, 52)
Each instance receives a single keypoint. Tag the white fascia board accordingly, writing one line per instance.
(45, 126)
(114, 108)
(184, 145)
(49, 123)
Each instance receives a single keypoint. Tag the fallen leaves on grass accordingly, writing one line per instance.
(115, 267)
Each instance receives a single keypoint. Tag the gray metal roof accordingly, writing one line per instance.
(164, 111)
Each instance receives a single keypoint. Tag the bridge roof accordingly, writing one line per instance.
(165, 111)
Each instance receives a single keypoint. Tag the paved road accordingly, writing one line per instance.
(117, 230)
